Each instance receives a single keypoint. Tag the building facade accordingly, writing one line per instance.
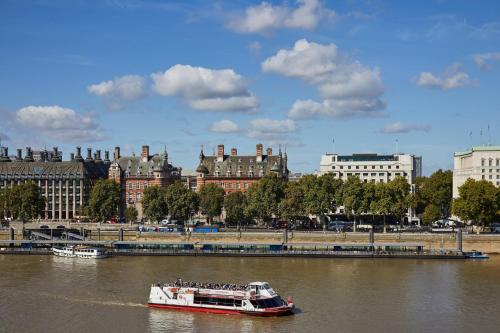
(372, 167)
(236, 173)
(479, 163)
(136, 173)
(65, 185)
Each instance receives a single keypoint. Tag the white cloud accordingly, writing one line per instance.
(59, 123)
(399, 127)
(205, 89)
(483, 61)
(125, 88)
(272, 125)
(451, 78)
(348, 87)
(254, 46)
(266, 17)
(273, 131)
(225, 126)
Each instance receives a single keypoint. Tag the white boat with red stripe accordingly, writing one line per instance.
(256, 298)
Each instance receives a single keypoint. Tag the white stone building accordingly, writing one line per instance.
(482, 162)
(372, 167)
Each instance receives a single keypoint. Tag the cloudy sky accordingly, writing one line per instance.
(369, 75)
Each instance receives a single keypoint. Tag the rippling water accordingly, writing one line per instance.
(52, 294)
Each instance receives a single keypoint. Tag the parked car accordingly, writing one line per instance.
(495, 228)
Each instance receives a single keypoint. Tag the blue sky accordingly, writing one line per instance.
(296, 74)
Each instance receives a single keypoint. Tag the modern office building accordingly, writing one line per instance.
(372, 167)
(479, 163)
(136, 173)
(236, 173)
(65, 185)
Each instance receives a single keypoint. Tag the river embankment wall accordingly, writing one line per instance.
(488, 243)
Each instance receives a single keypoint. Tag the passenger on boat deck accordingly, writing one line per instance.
(205, 285)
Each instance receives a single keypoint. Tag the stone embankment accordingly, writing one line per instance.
(488, 243)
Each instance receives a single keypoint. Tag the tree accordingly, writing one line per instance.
(104, 201)
(211, 200)
(235, 205)
(368, 204)
(154, 205)
(321, 194)
(131, 214)
(181, 201)
(478, 201)
(431, 213)
(292, 206)
(437, 190)
(352, 195)
(23, 201)
(264, 197)
(383, 201)
(399, 192)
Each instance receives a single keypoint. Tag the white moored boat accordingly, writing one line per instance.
(79, 252)
(256, 298)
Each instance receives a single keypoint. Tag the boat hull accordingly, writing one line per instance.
(265, 313)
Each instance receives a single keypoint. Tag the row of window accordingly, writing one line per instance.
(357, 167)
(490, 177)
(490, 162)
(137, 185)
(231, 185)
(137, 196)
(490, 170)
(239, 174)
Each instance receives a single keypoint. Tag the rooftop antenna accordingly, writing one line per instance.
(489, 135)
(470, 139)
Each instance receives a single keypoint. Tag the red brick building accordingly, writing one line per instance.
(136, 173)
(238, 172)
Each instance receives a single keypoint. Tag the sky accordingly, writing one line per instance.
(309, 76)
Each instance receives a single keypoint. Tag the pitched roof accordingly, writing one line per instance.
(244, 164)
(135, 166)
(44, 169)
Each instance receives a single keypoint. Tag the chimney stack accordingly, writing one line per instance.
(117, 153)
(98, 155)
(269, 151)
(106, 156)
(234, 152)
(78, 155)
(259, 152)
(89, 154)
(19, 154)
(29, 155)
(220, 153)
(145, 153)
(72, 157)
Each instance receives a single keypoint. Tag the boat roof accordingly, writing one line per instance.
(257, 283)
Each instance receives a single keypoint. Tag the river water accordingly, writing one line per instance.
(52, 294)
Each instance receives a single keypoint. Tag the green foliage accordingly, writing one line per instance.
(211, 200)
(24, 201)
(352, 195)
(431, 214)
(479, 202)
(292, 206)
(131, 214)
(437, 190)
(321, 194)
(399, 192)
(235, 205)
(181, 201)
(104, 200)
(264, 198)
(154, 205)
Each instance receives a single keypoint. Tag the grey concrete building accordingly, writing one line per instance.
(65, 185)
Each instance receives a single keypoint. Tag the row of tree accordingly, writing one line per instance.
(23, 202)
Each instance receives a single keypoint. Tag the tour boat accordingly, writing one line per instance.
(79, 252)
(256, 298)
